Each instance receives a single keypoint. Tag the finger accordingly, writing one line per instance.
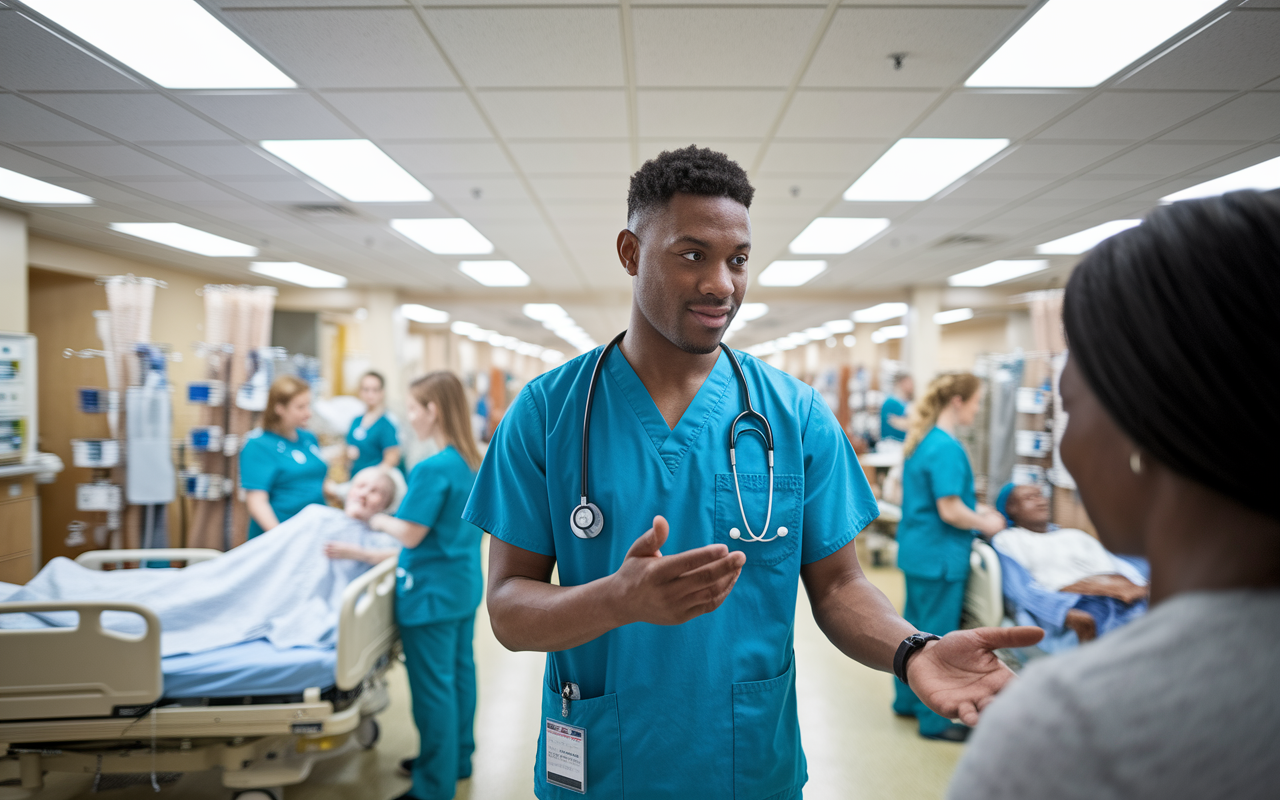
(712, 572)
(673, 566)
(968, 713)
(647, 543)
(707, 582)
(998, 638)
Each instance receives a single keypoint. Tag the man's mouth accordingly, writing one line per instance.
(711, 316)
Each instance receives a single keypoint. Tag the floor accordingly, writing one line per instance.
(856, 747)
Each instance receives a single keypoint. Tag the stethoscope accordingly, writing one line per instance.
(587, 520)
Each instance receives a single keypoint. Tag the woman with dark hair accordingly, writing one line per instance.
(280, 466)
(372, 440)
(1174, 344)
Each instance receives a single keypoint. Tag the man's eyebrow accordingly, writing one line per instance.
(707, 245)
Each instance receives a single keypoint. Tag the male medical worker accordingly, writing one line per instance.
(670, 670)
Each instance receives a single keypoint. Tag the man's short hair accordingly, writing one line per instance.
(691, 170)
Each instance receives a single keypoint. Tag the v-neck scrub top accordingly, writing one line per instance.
(290, 472)
(706, 709)
(928, 546)
(371, 441)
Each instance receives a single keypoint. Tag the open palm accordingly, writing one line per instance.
(959, 675)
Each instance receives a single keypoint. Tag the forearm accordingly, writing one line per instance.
(859, 620)
(1114, 586)
(376, 556)
(391, 457)
(529, 614)
(260, 509)
(409, 534)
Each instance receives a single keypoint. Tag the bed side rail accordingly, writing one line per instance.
(96, 559)
(983, 600)
(85, 671)
(366, 623)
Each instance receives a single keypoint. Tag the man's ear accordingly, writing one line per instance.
(629, 251)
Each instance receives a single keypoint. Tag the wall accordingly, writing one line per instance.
(13, 272)
(963, 342)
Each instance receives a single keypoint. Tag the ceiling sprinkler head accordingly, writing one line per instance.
(898, 58)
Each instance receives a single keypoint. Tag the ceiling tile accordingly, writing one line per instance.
(1237, 52)
(831, 114)
(32, 59)
(800, 190)
(136, 117)
(221, 160)
(1159, 160)
(531, 47)
(1050, 159)
(293, 190)
(593, 187)
(110, 161)
(983, 187)
(555, 114)
(568, 158)
(182, 191)
(942, 45)
(21, 121)
(743, 151)
(452, 158)
(439, 114)
(818, 158)
(1131, 115)
(1096, 187)
(348, 48)
(270, 115)
(732, 46)
(999, 114)
(493, 188)
(738, 113)
(28, 164)
(1247, 119)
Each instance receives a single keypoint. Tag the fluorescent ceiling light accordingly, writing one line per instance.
(451, 236)
(1081, 43)
(889, 332)
(880, 312)
(836, 234)
(495, 273)
(816, 333)
(997, 272)
(850, 340)
(425, 314)
(1263, 177)
(24, 189)
(838, 326)
(301, 274)
(543, 312)
(751, 311)
(354, 168)
(551, 356)
(954, 315)
(176, 43)
(463, 328)
(1084, 241)
(185, 238)
(791, 273)
(917, 169)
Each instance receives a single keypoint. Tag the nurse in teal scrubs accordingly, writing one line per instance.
(439, 587)
(939, 518)
(280, 466)
(372, 440)
(670, 670)
(893, 411)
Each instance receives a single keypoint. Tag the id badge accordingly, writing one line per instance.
(566, 756)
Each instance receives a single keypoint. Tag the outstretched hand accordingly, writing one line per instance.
(670, 590)
(959, 675)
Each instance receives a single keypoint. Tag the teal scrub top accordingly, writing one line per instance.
(291, 473)
(371, 441)
(892, 407)
(706, 709)
(440, 579)
(928, 547)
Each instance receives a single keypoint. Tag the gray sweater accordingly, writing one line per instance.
(1183, 703)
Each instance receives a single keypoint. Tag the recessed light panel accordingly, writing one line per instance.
(917, 169)
(301, 274)
(24, 189)
(888, 332)
(791, 273)
(1081, 43)
(425, 314)
(997, 272)
(836, 235)
(450, 236)
(954, 315)
(176, 43)
(186, 238)
(1084, 241)
(880, 312)
(1263, 177)
(354, 168)
(495, 273)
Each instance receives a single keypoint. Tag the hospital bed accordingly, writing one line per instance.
(93, 701)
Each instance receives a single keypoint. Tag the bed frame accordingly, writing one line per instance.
(81, 699)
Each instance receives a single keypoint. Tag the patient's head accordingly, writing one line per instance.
(1028, 508)
(372, 490)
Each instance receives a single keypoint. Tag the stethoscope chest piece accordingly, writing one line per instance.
(586, 521)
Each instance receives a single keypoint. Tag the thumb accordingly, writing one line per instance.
(1020, 636)
(651, 540)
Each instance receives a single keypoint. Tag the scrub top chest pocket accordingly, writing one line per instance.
(784, 531)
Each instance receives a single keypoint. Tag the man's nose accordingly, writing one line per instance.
(718, 281)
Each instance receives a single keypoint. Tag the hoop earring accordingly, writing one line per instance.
(1135, 462)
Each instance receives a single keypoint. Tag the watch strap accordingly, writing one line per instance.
(909, 646)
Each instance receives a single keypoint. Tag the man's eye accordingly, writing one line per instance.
(739, 261)
(694, 256)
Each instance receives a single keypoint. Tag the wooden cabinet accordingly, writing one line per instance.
(18, 530)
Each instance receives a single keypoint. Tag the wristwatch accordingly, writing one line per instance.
(909, 646)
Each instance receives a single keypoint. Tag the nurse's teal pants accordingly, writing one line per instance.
(933, 606)
(442, 680)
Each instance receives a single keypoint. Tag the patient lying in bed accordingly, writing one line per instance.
(1063, 579)
(279, 587)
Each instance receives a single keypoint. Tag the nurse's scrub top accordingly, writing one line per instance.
(440, 579)
(706, 709)
(928, 547)
(891, 407)
(371, 441)
(290, 472)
